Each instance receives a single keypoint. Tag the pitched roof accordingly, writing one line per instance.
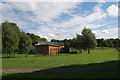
(47, 43)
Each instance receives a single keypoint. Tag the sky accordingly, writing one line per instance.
(61, 20)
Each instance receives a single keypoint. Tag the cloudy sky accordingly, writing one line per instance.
(60, 20)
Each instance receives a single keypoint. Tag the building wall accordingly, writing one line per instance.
(42, 49)
(45, 49)
(55, 50)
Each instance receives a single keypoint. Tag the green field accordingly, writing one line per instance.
(33, 62)
(104, 58)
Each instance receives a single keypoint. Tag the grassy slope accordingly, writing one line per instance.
(109, 58)
(32, 62)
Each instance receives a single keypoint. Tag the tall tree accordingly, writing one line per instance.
(88, 39)
(10, 36)
(25, 43)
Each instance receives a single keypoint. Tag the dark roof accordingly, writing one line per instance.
(47, 43)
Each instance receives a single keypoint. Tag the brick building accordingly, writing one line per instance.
(47, 47)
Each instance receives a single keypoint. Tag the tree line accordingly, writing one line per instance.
(13, 39)
(100, 42)
(108, 42)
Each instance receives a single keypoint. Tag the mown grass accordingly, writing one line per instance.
(97, 59)
(112, 74)
(43, 62)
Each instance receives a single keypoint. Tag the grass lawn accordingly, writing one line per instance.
(43, 62)
(103, 58)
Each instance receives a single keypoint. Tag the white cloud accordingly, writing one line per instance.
(8, 15)
(33, 5)
(94, 32)
(107, 33)
(97, 15)
(102, 1)
(45, 1)
(113, 10)
(23, 6)
(53, 33)
(45, 12)
(50, 33)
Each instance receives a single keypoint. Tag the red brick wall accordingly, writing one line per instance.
(45, 49)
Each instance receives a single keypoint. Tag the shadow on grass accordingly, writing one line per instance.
(108, 69)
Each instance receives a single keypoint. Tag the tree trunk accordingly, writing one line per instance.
(88, 51)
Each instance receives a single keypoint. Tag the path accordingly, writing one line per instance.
(19, 70)
(59, 70)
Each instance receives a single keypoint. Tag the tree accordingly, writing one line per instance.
(79, 42)
(99, 42)
(10, 36)
(55, 40)
(67, 45)
(110, 43)
(116, 42)
(36, 37)
(25, 43)
(76, 42)
(88, 39)
(43, 39)
(105, 43)
(73, 43)
(14, 39)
